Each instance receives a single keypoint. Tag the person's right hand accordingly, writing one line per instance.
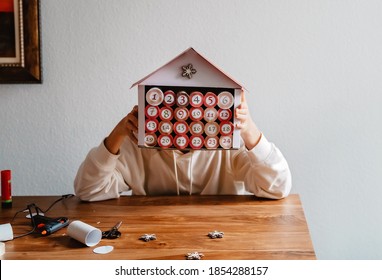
(127, 127)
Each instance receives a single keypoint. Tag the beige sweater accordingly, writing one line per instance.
(263, 171)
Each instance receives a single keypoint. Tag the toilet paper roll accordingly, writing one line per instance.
(2, 248)
(86, 234)
(6, 232)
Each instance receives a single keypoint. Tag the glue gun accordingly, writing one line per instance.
(46, 226)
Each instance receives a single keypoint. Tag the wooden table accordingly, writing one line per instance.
(253, 228)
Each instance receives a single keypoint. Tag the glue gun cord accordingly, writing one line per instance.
(38, 209)
(65, 196)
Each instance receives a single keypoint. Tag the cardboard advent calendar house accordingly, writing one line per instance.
(188, 104)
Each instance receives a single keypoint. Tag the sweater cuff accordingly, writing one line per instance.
(261, 151)
(103, 157)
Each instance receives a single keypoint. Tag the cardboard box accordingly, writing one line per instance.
(188, 104)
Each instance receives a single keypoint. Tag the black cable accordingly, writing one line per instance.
(30, 214)
(29, 208)
(65, 196)
(18, 213)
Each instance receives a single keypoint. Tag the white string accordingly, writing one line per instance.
(176, 173)
(190, 172)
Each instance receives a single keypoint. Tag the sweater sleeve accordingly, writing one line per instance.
(97, 177)
(264, 170)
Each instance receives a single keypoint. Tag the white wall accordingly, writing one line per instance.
(313, 69)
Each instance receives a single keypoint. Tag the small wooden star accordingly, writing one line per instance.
(216, 234)
(188, 71)
(194, 256)
(147, 237)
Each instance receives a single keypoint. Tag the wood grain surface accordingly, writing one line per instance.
(253, 228)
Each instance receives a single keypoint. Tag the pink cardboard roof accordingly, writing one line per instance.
(207, 74)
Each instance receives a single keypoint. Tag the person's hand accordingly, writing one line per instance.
(127, 127)
(248, 130)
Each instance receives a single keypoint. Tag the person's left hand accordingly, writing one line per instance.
(248, 129)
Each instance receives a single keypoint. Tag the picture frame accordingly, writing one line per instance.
(20, 56)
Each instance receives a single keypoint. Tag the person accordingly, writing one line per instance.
(118, 165)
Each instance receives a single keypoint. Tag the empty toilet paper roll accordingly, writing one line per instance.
(6, 232)
(2, 248)
(86, 234)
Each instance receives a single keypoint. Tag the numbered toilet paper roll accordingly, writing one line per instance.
(6, 232)
(84, 233)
